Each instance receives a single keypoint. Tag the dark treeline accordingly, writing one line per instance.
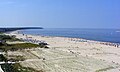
(18, 28)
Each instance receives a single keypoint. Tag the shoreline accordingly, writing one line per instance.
(72, 38)
(76, 38)
(98, 35)
(69, 51)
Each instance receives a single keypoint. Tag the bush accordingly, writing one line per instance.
(17, 68)
(2, 58)
(43, 45)
(8, 38)
(18, 46)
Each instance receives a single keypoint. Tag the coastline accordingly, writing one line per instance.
(101, 35)
(69, 49)
(72, 39)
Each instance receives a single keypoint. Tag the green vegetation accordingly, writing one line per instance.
(1, 33)
(8, 38)
(14, 47)
(18, 46)
(17, 68)
(2, 58)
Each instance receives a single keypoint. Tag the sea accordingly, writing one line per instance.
(104, 35)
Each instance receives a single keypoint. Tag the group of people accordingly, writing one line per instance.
(32, 40)
(78, 40)
(105, 43)
(111, 44)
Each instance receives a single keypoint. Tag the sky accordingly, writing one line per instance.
(60, 13)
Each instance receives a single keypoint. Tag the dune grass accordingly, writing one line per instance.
(2, 58)
(17, 68)
(8, 38)
(18, 46)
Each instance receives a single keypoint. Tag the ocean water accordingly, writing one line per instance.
(106, 35)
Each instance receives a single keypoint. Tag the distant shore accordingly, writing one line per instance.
(17, 28)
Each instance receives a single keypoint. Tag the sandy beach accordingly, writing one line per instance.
(70, 55)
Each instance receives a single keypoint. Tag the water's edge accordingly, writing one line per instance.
(103, 35)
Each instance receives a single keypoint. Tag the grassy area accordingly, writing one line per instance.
(8, 38)
(17, 68)
(1, 32)
(2, 58)
(14, 47)
(5, 47)
(18, 46)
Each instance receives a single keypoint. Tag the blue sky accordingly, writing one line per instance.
(60, 13)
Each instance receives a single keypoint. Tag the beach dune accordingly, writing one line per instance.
(71, 55)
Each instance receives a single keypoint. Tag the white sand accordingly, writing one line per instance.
(65, 55)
